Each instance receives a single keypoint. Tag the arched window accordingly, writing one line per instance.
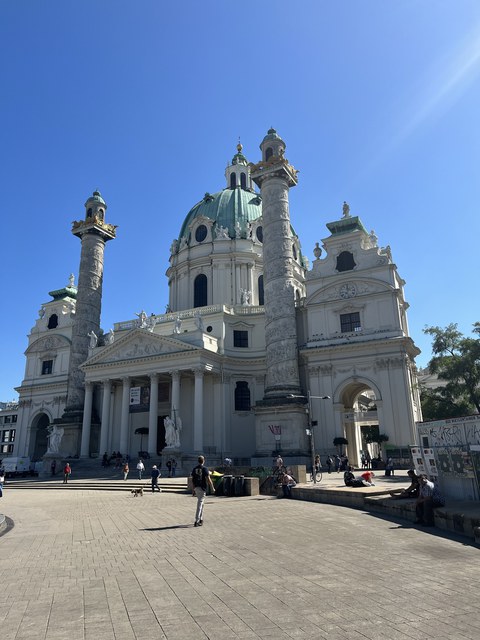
(233, 181)
(345, 261)
(100, 214)
(242, 396)
(294, 251)
(261, 298)
(53, 321)
(200, 291)
(89, 213)
(243, 181)
(268, 153)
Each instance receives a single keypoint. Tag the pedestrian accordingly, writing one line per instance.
(201, 480)
(2, 480)
(279, 462)
(169, 467)
(67, 470)
(337, 463)
(140, 468)
(174, 467)
(368, 459)
(155, 474)
(125, 470)
(329, 462)
(429, 499)
(53, 467)
(363, 461)
(389, 467)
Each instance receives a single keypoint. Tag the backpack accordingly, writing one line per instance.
(197, 477)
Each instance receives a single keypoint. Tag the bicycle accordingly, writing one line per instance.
(318, 475)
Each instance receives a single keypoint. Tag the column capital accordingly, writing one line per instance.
(199, 372)
(125, 380)
(175, 374)
(89, 384)
(153, 377)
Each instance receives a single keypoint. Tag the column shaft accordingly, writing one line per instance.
(198, 411)
(153, 415)
(87, 421)
(107, 390)
(125, 416)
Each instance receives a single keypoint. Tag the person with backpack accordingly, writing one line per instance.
(201, 480)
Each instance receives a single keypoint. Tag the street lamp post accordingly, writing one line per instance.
(310, 430)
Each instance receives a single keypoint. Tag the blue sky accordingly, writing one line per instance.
(378, 102)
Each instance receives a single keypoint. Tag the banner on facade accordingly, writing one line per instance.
(139, 399)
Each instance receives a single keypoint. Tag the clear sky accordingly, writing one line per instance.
(378, 102)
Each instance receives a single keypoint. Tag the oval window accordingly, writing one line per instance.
(260, 234)
(201, 233)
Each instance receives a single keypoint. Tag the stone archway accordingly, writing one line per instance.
(39, 436)
(361, 399)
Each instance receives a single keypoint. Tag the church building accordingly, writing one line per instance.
(258, 351)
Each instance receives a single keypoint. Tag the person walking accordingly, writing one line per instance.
(329, 462)
(2, 480)
(125, 470)
(201, 480)
(140, 468)
(155, 474)
(67, 470)
(53, 467)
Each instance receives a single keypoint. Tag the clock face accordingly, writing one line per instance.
(348, 290)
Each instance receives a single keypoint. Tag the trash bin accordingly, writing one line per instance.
(239, 485)
(227, 485)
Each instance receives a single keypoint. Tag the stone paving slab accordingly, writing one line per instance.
(92, 564)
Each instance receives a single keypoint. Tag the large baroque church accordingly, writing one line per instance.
(257, 352)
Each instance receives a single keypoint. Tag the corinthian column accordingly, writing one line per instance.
(153, 415)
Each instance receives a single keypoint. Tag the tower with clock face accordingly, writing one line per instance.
(356, 345)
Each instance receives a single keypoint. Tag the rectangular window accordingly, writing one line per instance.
(6, 448)
(8, 419)
(240, 339)
(47, 367)
(14, 418)
(350, 322)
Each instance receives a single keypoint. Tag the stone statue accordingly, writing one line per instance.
(71, 280)
(183, 242)
(41, 313)
(55, 435)
(93, 339)
(245, 296)
(199, 321)
(222, 232)
(151, 322)
(174, 247)
(178, 427)
(250, 230)
(373, 238)
(170, 435)
(346, 210)
(178, 325)
(317, 251)
(142, 319)
(109, 337)
(238, 230)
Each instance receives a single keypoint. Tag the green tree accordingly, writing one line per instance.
(456, 360)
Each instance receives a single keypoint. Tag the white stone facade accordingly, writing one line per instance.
(204, 362)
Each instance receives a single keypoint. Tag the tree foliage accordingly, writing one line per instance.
(456, 360)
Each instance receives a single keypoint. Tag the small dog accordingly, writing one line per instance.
(137, 492)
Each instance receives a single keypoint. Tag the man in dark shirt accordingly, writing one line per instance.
(201, 480)
(155, 476)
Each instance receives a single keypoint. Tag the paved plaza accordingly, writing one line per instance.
(84, 564)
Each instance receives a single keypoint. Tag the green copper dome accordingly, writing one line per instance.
(271, 135)
(226, 208)
(96, 197)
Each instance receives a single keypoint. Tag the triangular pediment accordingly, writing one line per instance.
(136, 344)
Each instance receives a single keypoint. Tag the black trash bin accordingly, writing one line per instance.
(239, 485)
(227, 485)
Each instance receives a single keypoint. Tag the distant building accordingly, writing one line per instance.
(8, 428)
(251, 331)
